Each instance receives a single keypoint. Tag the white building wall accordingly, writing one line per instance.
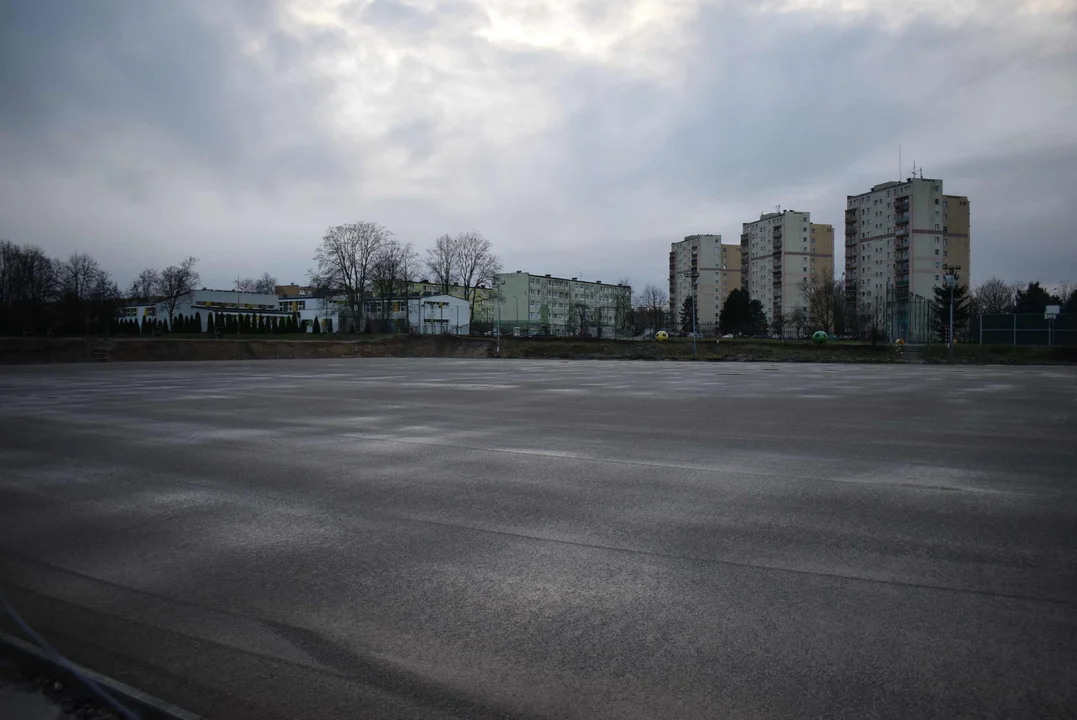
(439, 314)
(709, 291)
(876, 232)
(310, 309)
(776, 263)
(230, 302)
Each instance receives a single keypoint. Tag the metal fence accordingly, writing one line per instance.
(912, 320)
(1028, 330)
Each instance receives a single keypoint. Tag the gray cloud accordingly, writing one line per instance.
(140, 131)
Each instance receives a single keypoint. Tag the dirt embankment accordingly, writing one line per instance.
(67, 350)
(707, 349)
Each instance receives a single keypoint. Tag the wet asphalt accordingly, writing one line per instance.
(433, 538)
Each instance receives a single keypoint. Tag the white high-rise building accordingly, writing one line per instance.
(898, 237)
(702, 265)
(780, 252)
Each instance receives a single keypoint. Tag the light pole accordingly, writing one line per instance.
(497, 330)
(951, 281)
(694, 275)
(517, 309)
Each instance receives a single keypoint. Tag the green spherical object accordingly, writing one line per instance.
(819, 337)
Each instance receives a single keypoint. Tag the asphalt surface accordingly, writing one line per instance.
(480, 538)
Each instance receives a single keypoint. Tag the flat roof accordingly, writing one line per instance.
(556, 277)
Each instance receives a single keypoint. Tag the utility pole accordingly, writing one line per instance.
(951, 280)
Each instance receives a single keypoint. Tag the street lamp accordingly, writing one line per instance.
(497, 330)
(950, 280)
(694, 275)
(517, 309)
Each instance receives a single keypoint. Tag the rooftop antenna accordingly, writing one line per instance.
(778, 208)
(899, 162)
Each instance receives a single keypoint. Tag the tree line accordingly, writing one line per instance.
(825, 308)
(220, 323)
(363, 260)
(41, 294)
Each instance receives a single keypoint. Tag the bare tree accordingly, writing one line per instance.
(80, 276)
(578, 319)
(994, 297)
(777, 325)
(622, 306)
(392, 273)
(1064, 291)
(477, 263)
(823, 295)
(442, 261)
(175, 282)
(798, 320)
(344, 261)
(88, 293)
(654, 303)
(873, 318)
(29, 280)
(266, 284)
(145, 285)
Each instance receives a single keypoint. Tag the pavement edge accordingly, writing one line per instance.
(148, 706)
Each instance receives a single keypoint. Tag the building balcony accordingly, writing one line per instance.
(850, 229)
(902, 219)
(901, 232)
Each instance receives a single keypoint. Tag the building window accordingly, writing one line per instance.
(936, 251)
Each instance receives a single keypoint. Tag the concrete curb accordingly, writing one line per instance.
(147, 706)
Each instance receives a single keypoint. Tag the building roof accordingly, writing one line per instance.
(555, 277)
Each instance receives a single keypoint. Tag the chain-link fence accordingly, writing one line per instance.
(1025, 329)
(594, 322)
(911, 319)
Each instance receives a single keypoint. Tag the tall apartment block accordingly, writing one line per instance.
(702, 265)
(779, 252)
(898, 237)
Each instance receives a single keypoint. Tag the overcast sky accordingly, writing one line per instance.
(580, 136)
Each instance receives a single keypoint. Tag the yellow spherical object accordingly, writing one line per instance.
(661, 336)
(900, 341)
